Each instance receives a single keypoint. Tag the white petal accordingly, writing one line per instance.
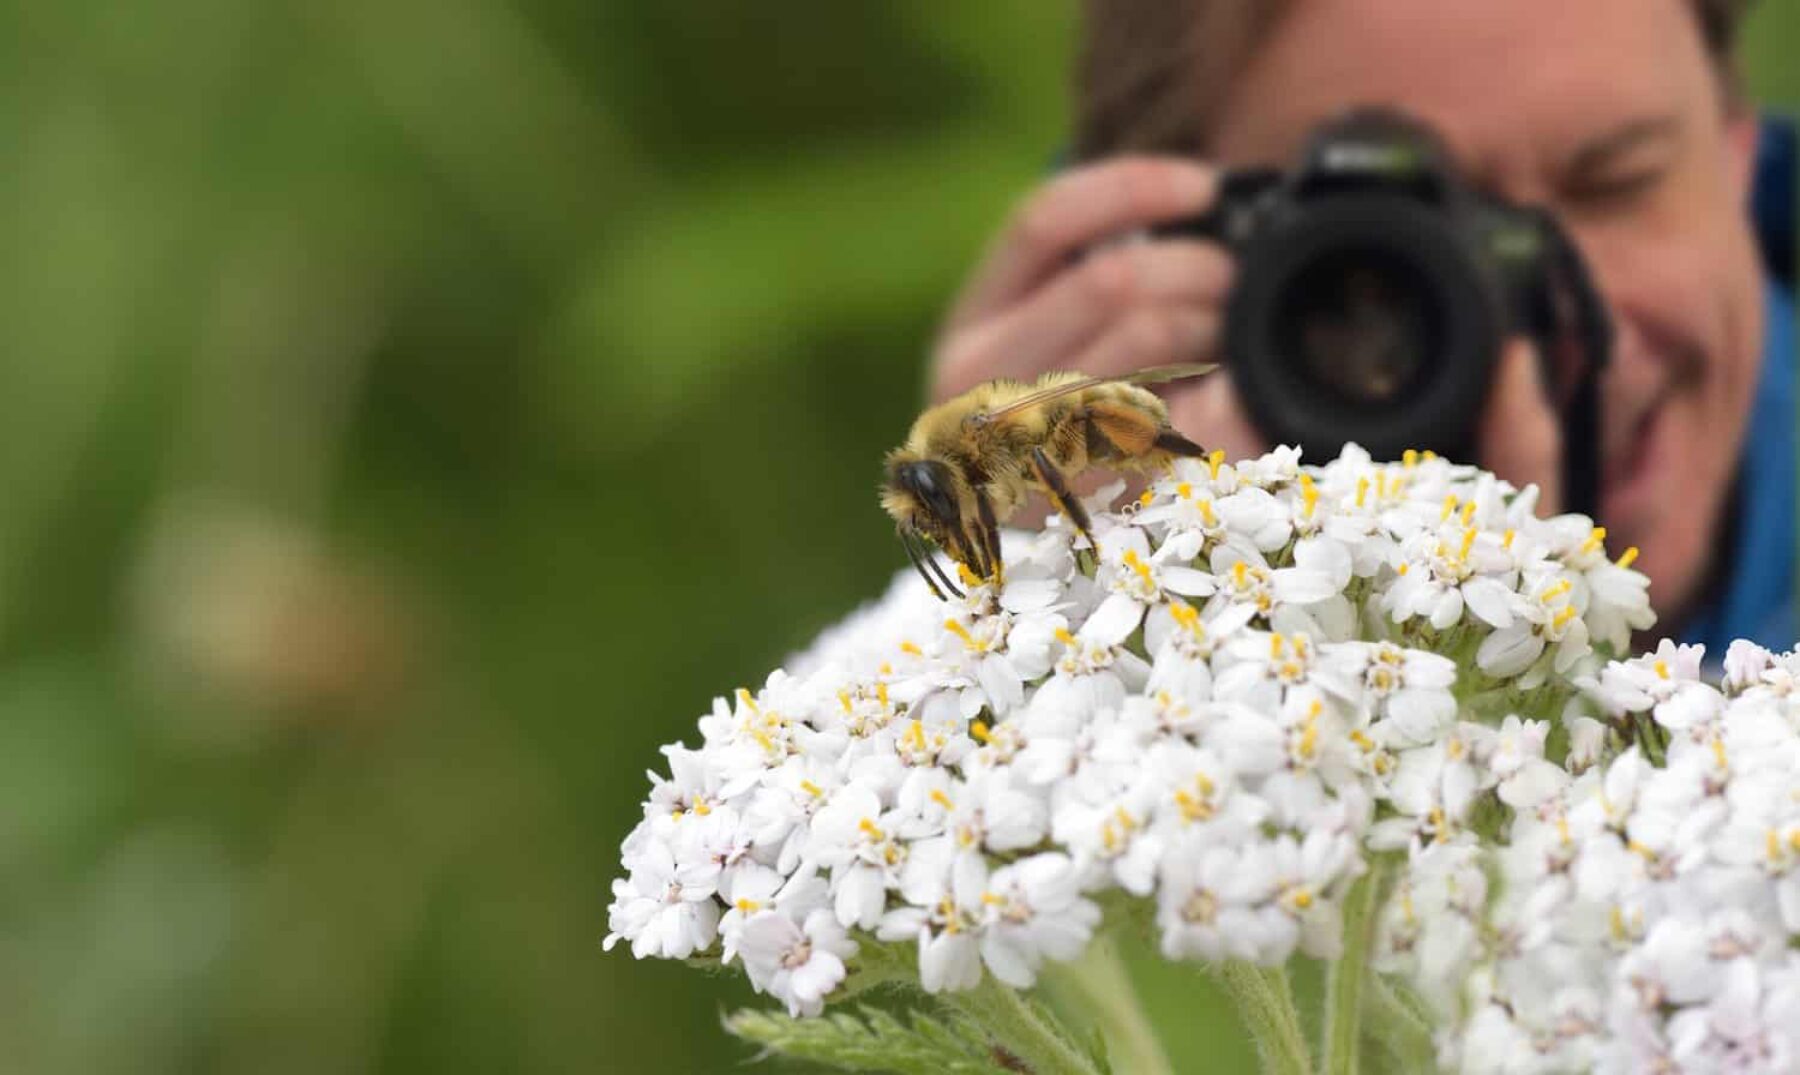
(1489, 601)
(1113, 622)
(1509, 651)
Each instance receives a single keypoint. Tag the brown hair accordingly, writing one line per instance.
(1151, 74)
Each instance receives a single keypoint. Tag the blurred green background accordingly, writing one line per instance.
(412, 415)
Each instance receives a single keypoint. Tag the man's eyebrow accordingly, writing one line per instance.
(1596, 152)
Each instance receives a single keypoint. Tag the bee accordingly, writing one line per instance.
(970, 462)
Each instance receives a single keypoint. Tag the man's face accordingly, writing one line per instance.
(1608, 113)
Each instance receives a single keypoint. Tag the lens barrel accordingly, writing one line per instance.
(1365, 316)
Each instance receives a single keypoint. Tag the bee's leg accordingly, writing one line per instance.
(990, 533)
(1066, 502)
(969, 552)
(1175, 444)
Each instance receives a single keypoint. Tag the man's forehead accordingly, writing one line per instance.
(1521, 85)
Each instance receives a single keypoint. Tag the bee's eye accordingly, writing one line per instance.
(930, 483)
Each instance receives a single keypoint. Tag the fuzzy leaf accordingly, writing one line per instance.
(874, 1040)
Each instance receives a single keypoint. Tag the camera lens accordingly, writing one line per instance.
(1364, 317)
(1358, 324)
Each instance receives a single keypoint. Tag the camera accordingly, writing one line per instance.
(1376, 289)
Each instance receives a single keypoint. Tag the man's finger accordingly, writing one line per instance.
(1151, 336)
(1050, 329)
(1076, 210)
(1520, 439)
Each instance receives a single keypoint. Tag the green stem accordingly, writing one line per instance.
(1344, 982)
(1025, 1030)
(1402, 1030)
(1098, 986)
(1266, 1002)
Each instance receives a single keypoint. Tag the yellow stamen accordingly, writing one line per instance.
(979, 732)
(746, 905)
(1146, 498)
(1362, 741)
(991, 899)
(1206, 513)
(969, 578)
(1185, 490)
(1063, 636)
(968, 640)
(1449, 506)
(844, 700)
(1595, 539)
(1238, 571)
(911, 647)
(1362, 491)
(812, 789)
(1402, 569)
(1309, 735)
(1506, 539)
(1628, 557)
(886, 668)
(1564, 616)
(1193, 809)
(915, 735)
(748, 702)
(1275, 643)
(1468, 542)
(1185, 615)
(881, 691)
(1409, 458)
(1662, 669)
(1213, 461)
(1554, 591)
(1718, 749)
(870, 830)
(937, 796)
(1139, 566)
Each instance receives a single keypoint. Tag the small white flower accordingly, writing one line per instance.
(1034, 911)
(798, 963)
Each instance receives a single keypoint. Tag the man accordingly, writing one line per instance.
(1623, 117)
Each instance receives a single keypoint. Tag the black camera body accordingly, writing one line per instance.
(1375, 292)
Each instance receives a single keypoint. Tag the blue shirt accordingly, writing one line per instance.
(1756, 599)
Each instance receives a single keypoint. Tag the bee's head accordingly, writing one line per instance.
(923, 495)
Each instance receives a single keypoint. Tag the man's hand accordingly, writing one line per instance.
(1066, 286)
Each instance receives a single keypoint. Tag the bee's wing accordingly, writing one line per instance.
(1153, 375)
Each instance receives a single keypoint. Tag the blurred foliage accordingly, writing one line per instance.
(414, 413)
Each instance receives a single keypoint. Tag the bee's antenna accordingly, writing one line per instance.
(920, 557)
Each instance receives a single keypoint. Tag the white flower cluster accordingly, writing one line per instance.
(1264, 677)
(1643, 914)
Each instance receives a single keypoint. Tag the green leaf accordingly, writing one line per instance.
(873, 1040)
